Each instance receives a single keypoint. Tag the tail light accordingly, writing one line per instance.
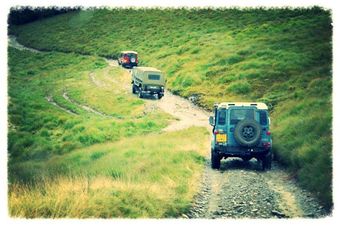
(268, 133)
(126, 59)
(266, 144)
(216, 132)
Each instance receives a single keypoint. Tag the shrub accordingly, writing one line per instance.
(239, 87)
(96, 155)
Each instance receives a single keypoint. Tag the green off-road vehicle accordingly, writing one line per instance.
(147, 80)
(241, 130)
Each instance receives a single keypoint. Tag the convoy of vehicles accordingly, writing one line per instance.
(240, 129)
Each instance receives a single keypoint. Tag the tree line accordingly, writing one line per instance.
(27, 14)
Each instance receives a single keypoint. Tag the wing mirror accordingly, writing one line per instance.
(212, 120)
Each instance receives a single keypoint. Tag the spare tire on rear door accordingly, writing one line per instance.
(247, 133)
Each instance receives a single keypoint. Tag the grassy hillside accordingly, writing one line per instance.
(57, 147)
(280, 56)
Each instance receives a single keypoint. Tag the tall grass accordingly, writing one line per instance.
(279, 56)
(147, 176)
(83, 164)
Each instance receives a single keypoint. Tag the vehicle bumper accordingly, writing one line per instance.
(230, 151)
(129, 64)
(153, 91)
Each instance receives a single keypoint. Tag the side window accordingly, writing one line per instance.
(263, 118)
(222, 117)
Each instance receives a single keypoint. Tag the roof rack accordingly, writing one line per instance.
(258, 105)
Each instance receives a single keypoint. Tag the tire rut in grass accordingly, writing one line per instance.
(95, 81)
(86, 108)
(51, 101)
(186, 113)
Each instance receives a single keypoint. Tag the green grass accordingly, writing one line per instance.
(145, 176)
(38, 129)
(282, 57)
(88, 165)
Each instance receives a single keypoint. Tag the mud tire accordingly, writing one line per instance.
(215, 160)
(247, 133)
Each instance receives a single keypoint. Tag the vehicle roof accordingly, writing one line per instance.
(147, 69)
(227, 105)
(129, 51)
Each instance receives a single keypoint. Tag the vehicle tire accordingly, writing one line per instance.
(247, 133)
(133, 88)
(140, 94)
(159, 96)
(267, 161)
(215, 160)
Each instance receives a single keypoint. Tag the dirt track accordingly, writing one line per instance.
(238, 189)
(185, 112)
(242, 190)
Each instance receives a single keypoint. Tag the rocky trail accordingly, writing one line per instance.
(239, 189)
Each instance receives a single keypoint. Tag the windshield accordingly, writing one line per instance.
(154, 77)
(237, 115)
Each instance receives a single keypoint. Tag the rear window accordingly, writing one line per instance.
(154, 77)
(237, 115)
(222, 117)
(130, 55)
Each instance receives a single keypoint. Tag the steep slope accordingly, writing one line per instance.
(280, 56)
(81, 145)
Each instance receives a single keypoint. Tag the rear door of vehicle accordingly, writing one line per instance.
(154, 78)
(132, 57)
(237, 114)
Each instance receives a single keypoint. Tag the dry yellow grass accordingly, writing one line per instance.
(78, 197)
(144, 177)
